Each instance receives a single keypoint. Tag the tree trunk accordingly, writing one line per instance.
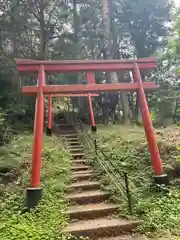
(124, 102)
(77, 52)
(137, 116)
(108, 48)
(42, 50)
(119, 76)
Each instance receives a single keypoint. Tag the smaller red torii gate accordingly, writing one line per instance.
(34, 193)
(88, 95)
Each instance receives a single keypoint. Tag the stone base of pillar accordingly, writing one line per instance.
(33, 196)
(49, 132)
(94, 129)
(162, 179)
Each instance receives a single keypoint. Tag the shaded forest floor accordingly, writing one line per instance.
(127, 148)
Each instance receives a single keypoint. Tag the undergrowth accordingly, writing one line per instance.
(12, 155)
(49, 219)
(159, 209)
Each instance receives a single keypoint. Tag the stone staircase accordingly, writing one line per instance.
(90, 213)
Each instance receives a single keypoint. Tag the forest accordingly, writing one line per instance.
(90, 30)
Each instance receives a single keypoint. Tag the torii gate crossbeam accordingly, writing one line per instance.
(85, 65)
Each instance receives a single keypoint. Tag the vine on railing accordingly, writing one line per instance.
(119, 178)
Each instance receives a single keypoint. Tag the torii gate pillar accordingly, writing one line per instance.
(160, 177)
(34, 193)
(91, 80)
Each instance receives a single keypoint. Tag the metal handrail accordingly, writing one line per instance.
(103, 159)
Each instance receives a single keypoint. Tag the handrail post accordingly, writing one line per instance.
(95, 146)
(128, 192)
(68, 113)
(49, 127)
(73, 114)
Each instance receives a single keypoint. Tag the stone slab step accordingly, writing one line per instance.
(80, 161)
(64, 131)
(73, 147)
(77, 149)
(78, 167)
(73, 143)
(69, 135)
(64, 125)
(74, 151)
(126, 237)
(86, 197)
(78, 155)
(85, 176)
(72, 140)
(83, 185)
(91, 211)
(101, 227)
(83, 172)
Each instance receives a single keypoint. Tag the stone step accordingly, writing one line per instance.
(69, 135)
(68, 140)
(93, 196)
(64, 125)
(76, 150)
(83, 185)
(72, 147)
(85, 176)
(64, 131)
(79, 146)
(73, 143)
(126, 237)
(78, 167)
(91, 211)
(101, 227)
(83, 172)
(78, 155)
(80, 161)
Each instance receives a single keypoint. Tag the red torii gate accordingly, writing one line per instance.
(89, 95)
(34, 193)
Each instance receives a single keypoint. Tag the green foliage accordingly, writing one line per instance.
(160, 213)
(12, 155)
(16, 112)
(145, 23)
(127, 149)
(49, 219)
(166, 105)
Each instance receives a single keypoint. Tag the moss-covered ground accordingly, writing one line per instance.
(49, 219)
(158, 209)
